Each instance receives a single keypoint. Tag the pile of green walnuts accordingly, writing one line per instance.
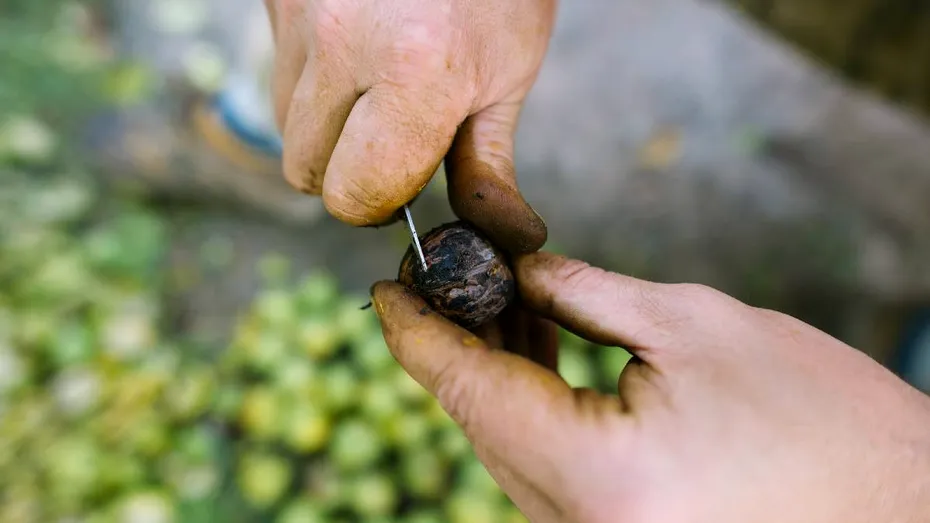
(107, 417)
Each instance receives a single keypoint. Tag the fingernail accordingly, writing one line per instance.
(541, 220)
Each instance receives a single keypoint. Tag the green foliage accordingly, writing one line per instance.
(49, 69)
(59, 65)
(305, 416)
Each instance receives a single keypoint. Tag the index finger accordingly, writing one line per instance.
(391, 146)
(502, 401)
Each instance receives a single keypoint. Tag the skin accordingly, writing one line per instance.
(371, 97)
(728, 413)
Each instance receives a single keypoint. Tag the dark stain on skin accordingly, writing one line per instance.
(496, 208)
(391, 220)
(424, 311)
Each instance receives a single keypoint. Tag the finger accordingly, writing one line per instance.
(317, 112)
(510, 326)
(492, 334)
(498, 398)
(289, 62)
(290, 58)
(611, 309)
(482, 181)
(521, 332)
(272, 15)
(392, 144)
(544, 341)
(526, 334)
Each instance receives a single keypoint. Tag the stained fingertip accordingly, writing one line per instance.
(482, 197)
(396, 216)
(404, 314)
(385, 223)
(388, 295)
(392, 144)
(483, 183)
(350, 205)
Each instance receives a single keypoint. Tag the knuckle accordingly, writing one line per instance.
(697, 297)
(576, 274)
(424, 53)
(330, 20)
(427, 38)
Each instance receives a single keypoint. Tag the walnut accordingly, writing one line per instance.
(467, 278)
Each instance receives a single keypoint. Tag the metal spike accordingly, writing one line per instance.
(416, 239)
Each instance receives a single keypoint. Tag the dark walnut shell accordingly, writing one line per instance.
(467, 280)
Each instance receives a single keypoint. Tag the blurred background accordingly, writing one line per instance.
(181, 338)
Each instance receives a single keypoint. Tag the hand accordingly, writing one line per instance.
(371, 96)
(727, 413)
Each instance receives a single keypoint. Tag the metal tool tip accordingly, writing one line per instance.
(416, 239)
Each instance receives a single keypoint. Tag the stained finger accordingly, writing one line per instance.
(483, 182)
(290, 57)
(321, 102)
(543, 341)
(392, 144)
(513, 326)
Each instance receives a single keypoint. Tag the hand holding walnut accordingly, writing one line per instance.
(370, 97)
(727, 414)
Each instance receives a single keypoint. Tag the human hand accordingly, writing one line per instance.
(371, 96)
(727, 414)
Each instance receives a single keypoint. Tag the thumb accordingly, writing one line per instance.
(649, 319)
(518, 410)
(483, 185)
(391, 145)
